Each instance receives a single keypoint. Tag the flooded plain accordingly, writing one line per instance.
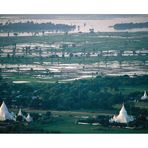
(75, 71)
(51, 65)
(64, 60)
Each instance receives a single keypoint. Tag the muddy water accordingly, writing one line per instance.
(68, 72)
(100, 23)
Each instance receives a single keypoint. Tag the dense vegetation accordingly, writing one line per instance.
(94, 94)
(124, 26)
(31, 26)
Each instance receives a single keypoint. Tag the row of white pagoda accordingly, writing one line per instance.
(6, 115)
(123, 117)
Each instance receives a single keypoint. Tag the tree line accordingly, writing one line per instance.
(93, 94)
(124, 26)
(30, 26)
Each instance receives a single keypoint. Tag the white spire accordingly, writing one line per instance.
(123, 110)
(144, 97)
(123, 117)
(4, 113)
(20, 112)
(145, 93)
(29, 118)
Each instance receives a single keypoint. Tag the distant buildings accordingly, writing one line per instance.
(123, 117)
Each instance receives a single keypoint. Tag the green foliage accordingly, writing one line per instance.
(94, 94)
(124, 26)
(31, 26)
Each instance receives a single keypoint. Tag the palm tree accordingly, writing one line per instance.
(31, 70)
(14, 50)
(18, 70)
(70, 55)
(43, 32)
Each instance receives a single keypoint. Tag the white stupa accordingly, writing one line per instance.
(123, 117)
(144, 97)
(20, 113)
(29, 118)
(5, 114)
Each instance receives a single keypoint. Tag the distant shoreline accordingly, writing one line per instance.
(124, 26)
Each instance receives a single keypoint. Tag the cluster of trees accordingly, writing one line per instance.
(94, 94)
(124, 26)
(31, 26)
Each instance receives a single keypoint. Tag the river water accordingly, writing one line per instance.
(100, 23)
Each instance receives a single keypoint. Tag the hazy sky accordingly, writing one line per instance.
(73, 6)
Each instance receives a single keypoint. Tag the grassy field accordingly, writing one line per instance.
(141, 105)
(113, 40)
(65, 122)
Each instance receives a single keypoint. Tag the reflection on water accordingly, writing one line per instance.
(19, 82)
(75, 71)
